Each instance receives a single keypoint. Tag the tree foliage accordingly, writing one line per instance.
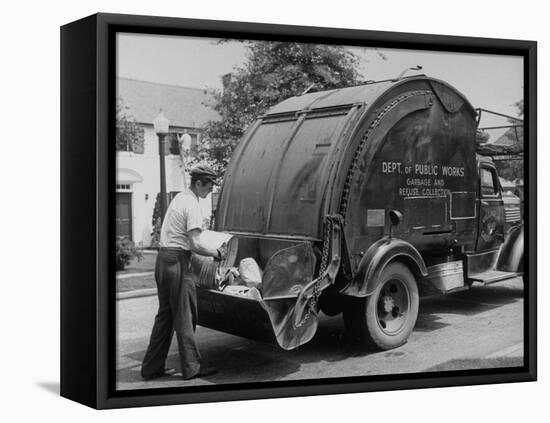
(129, 136)
(513, 170)
(273, 71)
(125, 251)
(519, 105)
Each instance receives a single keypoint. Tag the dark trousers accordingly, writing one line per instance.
(177, 312)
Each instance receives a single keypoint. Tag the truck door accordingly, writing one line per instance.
(491, 209)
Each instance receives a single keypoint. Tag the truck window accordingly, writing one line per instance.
(488, 184)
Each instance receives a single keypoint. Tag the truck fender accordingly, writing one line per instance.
(376, 258)
(510, 257)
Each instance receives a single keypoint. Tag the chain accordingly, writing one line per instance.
(312, 305)
(355, 160)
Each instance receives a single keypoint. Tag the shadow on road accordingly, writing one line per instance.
(237, 360)
(240, 360)
(477, 299)
(331, 335)
(238, 365)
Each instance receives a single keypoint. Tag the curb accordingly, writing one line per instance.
(136, 293)
(133, 275)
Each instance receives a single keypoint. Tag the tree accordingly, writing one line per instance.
(519, 104)
(513, 170)
(129, 136)
(273, 71)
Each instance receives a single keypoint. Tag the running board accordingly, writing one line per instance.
(492, 276)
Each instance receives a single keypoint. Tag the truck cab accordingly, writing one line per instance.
(492, 218)
(499, 225)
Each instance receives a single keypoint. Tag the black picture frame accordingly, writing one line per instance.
(87, 204)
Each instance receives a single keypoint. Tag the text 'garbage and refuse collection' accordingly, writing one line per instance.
(422, 179)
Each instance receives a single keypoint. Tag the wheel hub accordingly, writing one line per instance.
(388, 303)
(393, 305)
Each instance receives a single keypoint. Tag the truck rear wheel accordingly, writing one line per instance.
(387, 317)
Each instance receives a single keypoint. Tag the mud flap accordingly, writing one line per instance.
(286, 275)
(282, 314)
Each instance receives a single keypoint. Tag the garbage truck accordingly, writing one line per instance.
(358, 201)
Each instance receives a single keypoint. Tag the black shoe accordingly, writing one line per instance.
(203, 373)
(165, 372)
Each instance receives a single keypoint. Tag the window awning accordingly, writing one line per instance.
(128, 176)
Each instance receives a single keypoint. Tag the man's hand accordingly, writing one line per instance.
(222, 252)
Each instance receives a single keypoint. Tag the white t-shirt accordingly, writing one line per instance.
(183, 215)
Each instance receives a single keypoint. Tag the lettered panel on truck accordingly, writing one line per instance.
(424, 166)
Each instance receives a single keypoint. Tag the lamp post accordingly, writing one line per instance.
(161, 124)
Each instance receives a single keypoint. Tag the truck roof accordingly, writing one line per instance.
(361, 94)
(292, 166)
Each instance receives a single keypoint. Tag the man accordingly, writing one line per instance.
(179, 236)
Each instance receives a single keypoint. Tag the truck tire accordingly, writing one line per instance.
(385, 318)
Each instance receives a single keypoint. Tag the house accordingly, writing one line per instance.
(138, 168)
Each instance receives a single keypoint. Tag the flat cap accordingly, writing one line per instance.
(203, 171)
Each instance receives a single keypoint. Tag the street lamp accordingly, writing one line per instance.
(161, 124)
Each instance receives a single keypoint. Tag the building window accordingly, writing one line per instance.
(172, 142)
(123, 187)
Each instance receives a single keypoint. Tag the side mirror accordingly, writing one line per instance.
(395, 219)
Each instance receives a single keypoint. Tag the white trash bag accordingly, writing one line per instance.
(250, 273)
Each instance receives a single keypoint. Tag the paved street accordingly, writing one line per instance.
(478, 323)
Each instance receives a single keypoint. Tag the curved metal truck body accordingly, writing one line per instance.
(372, 179)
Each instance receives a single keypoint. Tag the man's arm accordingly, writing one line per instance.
(198, 247)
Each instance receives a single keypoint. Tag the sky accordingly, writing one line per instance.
(490, 82)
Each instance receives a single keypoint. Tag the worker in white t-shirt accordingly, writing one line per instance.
(179, 237)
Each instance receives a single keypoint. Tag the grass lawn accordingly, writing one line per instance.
(146, 264)
(478, 363)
